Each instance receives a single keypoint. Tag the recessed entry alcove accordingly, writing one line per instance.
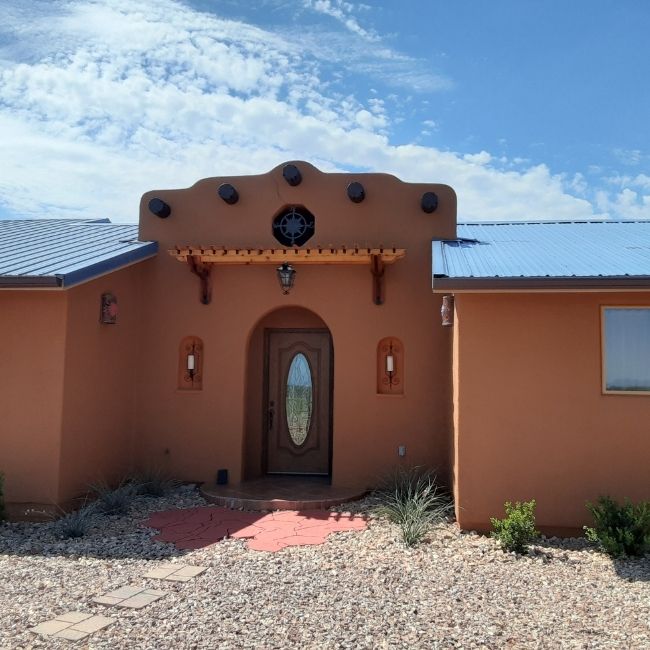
(289, 374)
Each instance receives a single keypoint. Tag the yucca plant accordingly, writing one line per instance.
(113, 501)
(412, 499)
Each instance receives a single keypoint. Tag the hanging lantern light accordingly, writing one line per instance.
(286, 276)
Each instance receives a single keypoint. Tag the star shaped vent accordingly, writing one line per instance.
(294, 226)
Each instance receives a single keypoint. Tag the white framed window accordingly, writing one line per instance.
(626, 349)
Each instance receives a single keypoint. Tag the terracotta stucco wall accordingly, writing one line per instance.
(32, 341)
(101, 363)
(530, 418)
(193, 434)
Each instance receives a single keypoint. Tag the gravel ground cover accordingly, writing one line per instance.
(358, 590)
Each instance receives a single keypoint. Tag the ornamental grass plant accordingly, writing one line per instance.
(114, 501)
(412, 499)
(154, 483)
(77, 523)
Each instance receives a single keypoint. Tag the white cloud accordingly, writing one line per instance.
(626, 204)
(126, 97)
(343, 12)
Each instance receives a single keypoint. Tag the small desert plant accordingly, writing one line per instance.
(113, 501)
(2, 497)
(154, 483)
(75, 524)
(620, 529)
(412, 499)
(517, 529)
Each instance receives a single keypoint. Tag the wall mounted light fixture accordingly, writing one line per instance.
(390, 367)
(286, 277)
(190, 364)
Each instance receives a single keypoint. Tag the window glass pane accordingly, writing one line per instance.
(627, 349)
(299, 399)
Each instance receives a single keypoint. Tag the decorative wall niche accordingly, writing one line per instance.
(190, 364)
(390, 367)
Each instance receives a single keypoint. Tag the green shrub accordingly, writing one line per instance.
(517, 529)
(113, 501)
(2, 497)
(620, 529)
(412, 499)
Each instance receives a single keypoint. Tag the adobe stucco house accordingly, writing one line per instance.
(174, 346)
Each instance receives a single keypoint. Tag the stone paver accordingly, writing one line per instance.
(195, 528)
(130, 597)
(175, 572)
(73, 626)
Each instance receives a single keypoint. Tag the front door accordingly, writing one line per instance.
(298, 401)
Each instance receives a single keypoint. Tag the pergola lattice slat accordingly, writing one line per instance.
(202, 259)
(319, 255)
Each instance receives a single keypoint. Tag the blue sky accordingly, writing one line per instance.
(529, 109)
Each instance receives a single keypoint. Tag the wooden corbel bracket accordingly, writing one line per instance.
(377, 269)
(203, 271)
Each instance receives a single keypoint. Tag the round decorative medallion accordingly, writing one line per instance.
(294, 226)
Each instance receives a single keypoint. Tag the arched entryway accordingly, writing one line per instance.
(288, 419)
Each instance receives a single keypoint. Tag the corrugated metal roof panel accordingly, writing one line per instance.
(587, 249)
(69, 251)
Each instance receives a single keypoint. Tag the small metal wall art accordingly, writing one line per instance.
(108, 310)
(447, 311)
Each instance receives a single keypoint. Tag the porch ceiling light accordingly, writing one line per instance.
(286, 276)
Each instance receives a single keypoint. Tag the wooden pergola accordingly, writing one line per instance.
(201, 260)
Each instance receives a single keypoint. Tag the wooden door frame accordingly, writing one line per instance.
(265, 392)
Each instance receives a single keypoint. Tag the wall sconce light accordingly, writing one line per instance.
(390, 365)
(447, 311)
(191, 364)
(286, 277)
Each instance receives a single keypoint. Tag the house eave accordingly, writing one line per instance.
(612, 283)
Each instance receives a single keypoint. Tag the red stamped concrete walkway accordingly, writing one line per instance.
(199, 527)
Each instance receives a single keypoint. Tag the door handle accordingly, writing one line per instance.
(271, 414)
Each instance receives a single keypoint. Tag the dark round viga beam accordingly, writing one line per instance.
(292, 175)
(356, 193)
(429, 202)
(228, 193)
(159, 208)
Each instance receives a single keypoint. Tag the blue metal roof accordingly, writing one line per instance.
(581, 254)
(65, 252)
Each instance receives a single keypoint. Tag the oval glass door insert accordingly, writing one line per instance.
(299, 399)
